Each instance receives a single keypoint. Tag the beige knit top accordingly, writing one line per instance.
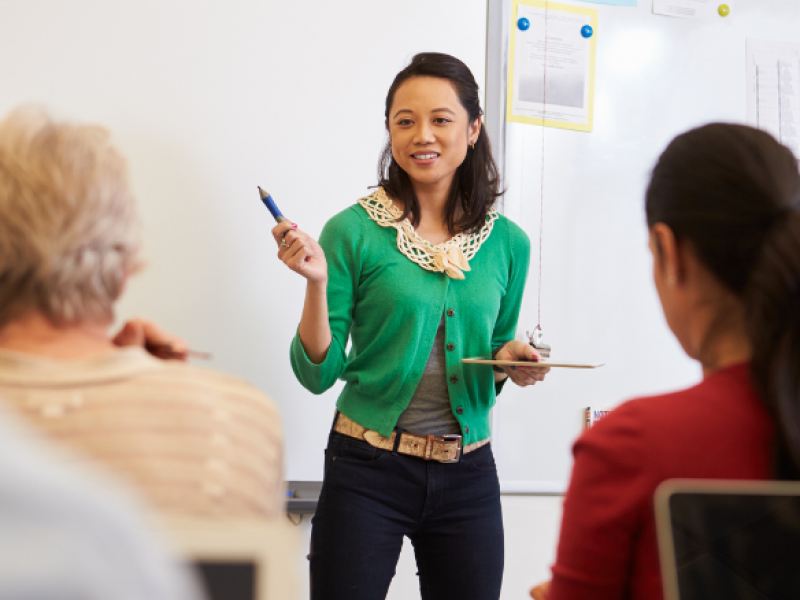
(193, 441)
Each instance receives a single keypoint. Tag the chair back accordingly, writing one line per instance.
(239, 559)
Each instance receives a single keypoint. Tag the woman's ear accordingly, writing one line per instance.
(666, 253)
(475, 130)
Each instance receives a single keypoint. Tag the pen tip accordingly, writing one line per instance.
(262, 192)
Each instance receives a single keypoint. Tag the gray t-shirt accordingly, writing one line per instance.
(429, 411)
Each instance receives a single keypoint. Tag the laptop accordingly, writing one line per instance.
(731, 540)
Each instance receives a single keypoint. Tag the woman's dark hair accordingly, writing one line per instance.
(733, 192)
(476, 184)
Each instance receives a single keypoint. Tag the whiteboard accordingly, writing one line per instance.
(656, 77)
(209, 100)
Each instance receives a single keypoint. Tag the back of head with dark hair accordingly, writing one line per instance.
(476, 185)
(733, 193)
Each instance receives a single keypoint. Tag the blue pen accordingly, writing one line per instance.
(270, 204)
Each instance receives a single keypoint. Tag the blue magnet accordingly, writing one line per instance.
(587, 31)
(523, 24)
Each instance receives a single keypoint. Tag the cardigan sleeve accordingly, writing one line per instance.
(604, 510)
(505, 328)
(341, 240)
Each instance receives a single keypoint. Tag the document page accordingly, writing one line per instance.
(551, 78)
(695, 9)
(773, 90)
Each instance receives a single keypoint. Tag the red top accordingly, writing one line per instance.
(718, 429)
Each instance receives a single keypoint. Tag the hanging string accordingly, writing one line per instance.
(541, 194)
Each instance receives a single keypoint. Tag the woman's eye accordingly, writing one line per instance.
(404, 122)
(441, 120)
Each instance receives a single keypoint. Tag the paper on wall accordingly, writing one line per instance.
(773, 90)
(613, 2)
(551, 77)
(694, 9)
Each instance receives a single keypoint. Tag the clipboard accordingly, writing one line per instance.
(486, 360)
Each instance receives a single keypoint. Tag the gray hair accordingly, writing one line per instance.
(69, 233)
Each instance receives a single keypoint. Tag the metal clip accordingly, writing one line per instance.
(535, 340)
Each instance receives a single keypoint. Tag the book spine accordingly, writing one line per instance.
(592, 415)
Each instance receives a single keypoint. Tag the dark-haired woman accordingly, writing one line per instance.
(419, 274)
(723, 210)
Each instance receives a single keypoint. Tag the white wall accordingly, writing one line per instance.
(656, 77)
(209, 100)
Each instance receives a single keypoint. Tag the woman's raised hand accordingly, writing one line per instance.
(522, 376)
(300, 252)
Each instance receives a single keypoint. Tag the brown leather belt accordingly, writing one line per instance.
(445, 449)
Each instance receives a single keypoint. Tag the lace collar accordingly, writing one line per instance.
(451, 257)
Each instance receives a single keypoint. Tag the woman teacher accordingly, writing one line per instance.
(419, 274)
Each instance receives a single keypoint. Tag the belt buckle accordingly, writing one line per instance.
(453, 438)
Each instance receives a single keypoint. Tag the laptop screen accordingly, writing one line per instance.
(735, 545)
(228, 580)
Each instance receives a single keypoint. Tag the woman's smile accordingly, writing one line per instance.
(424, 158)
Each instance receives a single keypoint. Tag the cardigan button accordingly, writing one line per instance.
(460, 410)
(450, 312)
(453, 379)
(451, 346)
(466, 428)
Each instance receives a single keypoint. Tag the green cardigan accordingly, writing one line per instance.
(391, 307)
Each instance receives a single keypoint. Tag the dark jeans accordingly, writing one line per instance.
(371, 498)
